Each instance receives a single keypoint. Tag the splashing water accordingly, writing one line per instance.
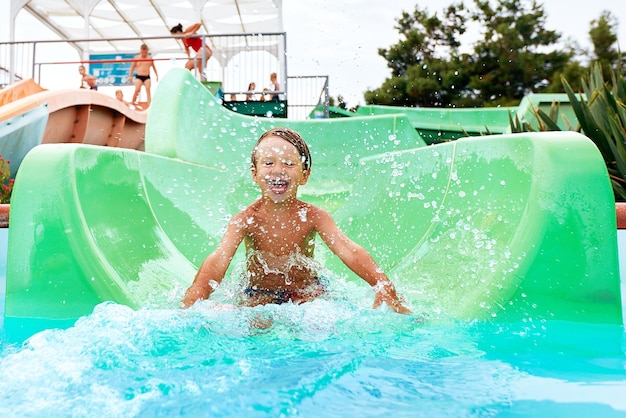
(326, 358)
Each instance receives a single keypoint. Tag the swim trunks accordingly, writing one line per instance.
(93, 88)
(280, 296)
(142, 77)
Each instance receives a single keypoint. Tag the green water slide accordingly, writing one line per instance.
(501, 228)
(437, 125)
(548, 102)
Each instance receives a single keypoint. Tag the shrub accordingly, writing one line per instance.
(6, 182)
(602, 118)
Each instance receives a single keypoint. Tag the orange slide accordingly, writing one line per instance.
(75, 115)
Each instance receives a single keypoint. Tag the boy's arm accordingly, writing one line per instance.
(214, 267)
(156, 74)
(357, 259)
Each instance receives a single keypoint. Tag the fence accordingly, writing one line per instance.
(237, 60)
(16, 61)
(305, 94)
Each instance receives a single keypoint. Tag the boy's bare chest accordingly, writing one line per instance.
(280, 235)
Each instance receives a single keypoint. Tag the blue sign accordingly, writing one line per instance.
(112, 70)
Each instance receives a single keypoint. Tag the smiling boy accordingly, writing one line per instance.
(279, 231)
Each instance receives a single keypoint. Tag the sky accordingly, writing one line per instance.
(341, 38)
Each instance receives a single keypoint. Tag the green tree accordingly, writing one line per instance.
(338, 102)
(422, 72)
(573, 71)
(518, 54)
(603, 34)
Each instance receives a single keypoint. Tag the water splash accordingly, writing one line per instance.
(306, 361)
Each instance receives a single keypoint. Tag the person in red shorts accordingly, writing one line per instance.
(195, 44)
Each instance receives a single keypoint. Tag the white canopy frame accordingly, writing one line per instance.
(118, 19)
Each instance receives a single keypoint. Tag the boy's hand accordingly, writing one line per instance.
(386, 293)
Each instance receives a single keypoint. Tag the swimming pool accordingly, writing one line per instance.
(331, 357)
(323, 359)
(499, 244)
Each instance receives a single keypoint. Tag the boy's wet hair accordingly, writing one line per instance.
(177, 29)
(293, 138)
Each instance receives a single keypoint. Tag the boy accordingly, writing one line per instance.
(142, 63)
(86, 80)
(279, 233)
(119, 95)
(275, 86)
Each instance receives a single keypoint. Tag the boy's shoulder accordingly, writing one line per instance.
(315, 213)
(247, 212)
(257, 206)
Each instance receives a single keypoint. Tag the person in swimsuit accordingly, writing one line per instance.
(194, 43)
(87, 81)
(275, 86)
(279, 233)
(249, 94)
(119, 95)
(142, 64)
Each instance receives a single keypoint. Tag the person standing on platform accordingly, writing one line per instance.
(194, 43)
(275, 87)
(142, 64)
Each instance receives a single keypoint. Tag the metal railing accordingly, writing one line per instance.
(16, 61)
(306, 93)
(236, 61)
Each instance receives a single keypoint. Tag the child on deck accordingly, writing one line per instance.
(119, 95)
(87, 81)
(275, 86)
(142, 64)
(279, 233)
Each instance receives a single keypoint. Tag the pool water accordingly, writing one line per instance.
(331, 357)
(334, 357)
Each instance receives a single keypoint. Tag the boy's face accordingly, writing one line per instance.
(279, 170)
(81, 70)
